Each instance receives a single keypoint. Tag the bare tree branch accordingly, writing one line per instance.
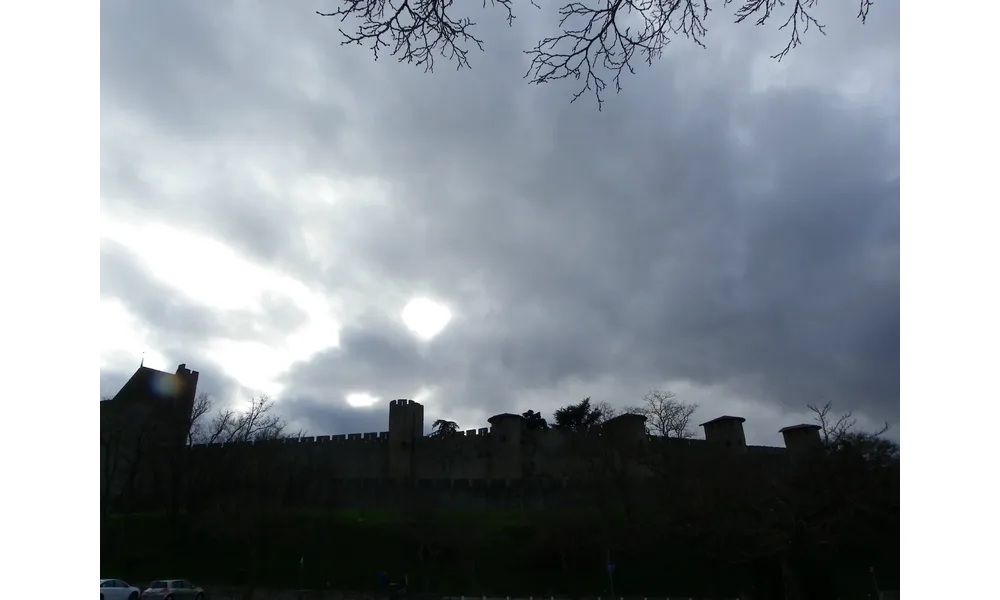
(416, 30)
(800, 16)
(837, 430)
(605, 411)
(598, 40)
(230, 426)
(591, 38)
(196, 423)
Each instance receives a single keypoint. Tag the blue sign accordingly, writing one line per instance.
(611, 567)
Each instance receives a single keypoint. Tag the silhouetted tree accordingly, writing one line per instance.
(839, 502)
(836, 429)
(255, 422)
(578, 417)
(444, 428)
(666, 416)
(594, 35)
(534, 420)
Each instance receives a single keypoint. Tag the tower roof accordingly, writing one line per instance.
(803, 426)
(502, 417)
(723, 418)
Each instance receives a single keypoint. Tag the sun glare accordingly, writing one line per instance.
(361, 400)
(425, 318)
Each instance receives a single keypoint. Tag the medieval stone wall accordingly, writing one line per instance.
(505, 464)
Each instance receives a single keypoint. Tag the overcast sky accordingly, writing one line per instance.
(727, 227)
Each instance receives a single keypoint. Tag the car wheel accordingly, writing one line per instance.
(200, 597)
(133, 596)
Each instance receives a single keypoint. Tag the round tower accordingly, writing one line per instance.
(406, 425)
(505, 446)
(726, 431)
(802, 439)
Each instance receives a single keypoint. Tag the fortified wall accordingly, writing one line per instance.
(505, 464)
(505, 451)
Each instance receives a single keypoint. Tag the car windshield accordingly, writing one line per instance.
(158, 584)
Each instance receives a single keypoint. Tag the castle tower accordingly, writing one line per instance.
(505, 446)
(625, 430)
(726, 431)
(406, 425)
(802, 439)
(187, 390)
(624, 435)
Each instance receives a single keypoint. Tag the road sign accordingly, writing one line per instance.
(611, 567)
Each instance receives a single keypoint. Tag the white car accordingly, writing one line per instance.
(116, 589)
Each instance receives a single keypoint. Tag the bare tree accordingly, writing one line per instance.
(196, 421)
(835, 428)
(605, 411)
(594, 36)
(244, 481)
(212, 424)
(666, 416)
(256, 423)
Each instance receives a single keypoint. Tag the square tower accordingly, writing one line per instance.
(406, 426)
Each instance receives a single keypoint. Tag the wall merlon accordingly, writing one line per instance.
(354, 436)
(338, 438)
(469, 432)
(484, 431)
(322, 438)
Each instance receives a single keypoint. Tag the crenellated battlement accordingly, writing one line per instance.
(482, 431)
(371, 438)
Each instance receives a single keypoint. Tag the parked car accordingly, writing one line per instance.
(116, 589)
(173, 589)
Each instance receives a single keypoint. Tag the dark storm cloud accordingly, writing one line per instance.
(717, 283)
(698, 229)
